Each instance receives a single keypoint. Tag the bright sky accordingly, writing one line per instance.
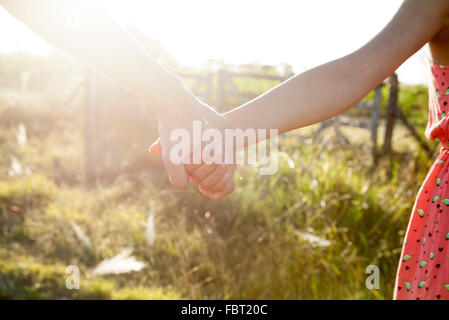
(303, 33)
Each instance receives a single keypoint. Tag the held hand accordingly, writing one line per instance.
(215, 180)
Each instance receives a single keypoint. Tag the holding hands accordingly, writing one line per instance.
(213, 174)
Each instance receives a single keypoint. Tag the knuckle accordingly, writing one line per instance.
(219, 185)
(190, 168)
(207, 183)
(200, 175)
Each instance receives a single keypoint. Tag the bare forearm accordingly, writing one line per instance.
(82, 29)
(310, 97)
(307, 98)
(332, 88)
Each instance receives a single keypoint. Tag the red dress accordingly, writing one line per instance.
(423, 271)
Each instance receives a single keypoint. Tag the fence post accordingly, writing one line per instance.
(220, 89)
(391, 114)
(88, 126)
(375, 119)
(208, 88)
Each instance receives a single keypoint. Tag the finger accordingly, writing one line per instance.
(196, 155)
(215, 176)
(228, 190)
(230, 187)
(218, 188)
(194, 180)
(203, 171)
(206, 192)
(190, 167)
(220, 185)
(212, 153)
(176, 173)
(155, 147)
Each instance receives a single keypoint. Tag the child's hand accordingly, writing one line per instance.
(214, 180)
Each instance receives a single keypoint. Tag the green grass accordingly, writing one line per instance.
(249, 245)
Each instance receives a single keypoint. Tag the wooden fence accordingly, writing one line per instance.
(216, 88)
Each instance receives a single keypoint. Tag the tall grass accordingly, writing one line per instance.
(308, 232)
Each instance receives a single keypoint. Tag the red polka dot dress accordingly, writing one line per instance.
(423, 271)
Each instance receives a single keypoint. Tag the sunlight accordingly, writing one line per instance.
(294, 32)
(177, 150)
(240, 32)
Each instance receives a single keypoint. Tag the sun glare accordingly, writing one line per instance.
(240, 32)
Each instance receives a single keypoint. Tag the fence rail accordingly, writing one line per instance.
(217, 88)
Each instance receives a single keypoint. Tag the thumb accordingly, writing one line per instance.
(177, 175)
(155, 148)
(176, 172)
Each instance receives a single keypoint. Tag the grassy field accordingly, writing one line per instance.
(308, 232)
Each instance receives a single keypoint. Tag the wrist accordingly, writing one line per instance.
(234, 121)
(169, 98)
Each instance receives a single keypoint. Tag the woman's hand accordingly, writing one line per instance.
(215, 180)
